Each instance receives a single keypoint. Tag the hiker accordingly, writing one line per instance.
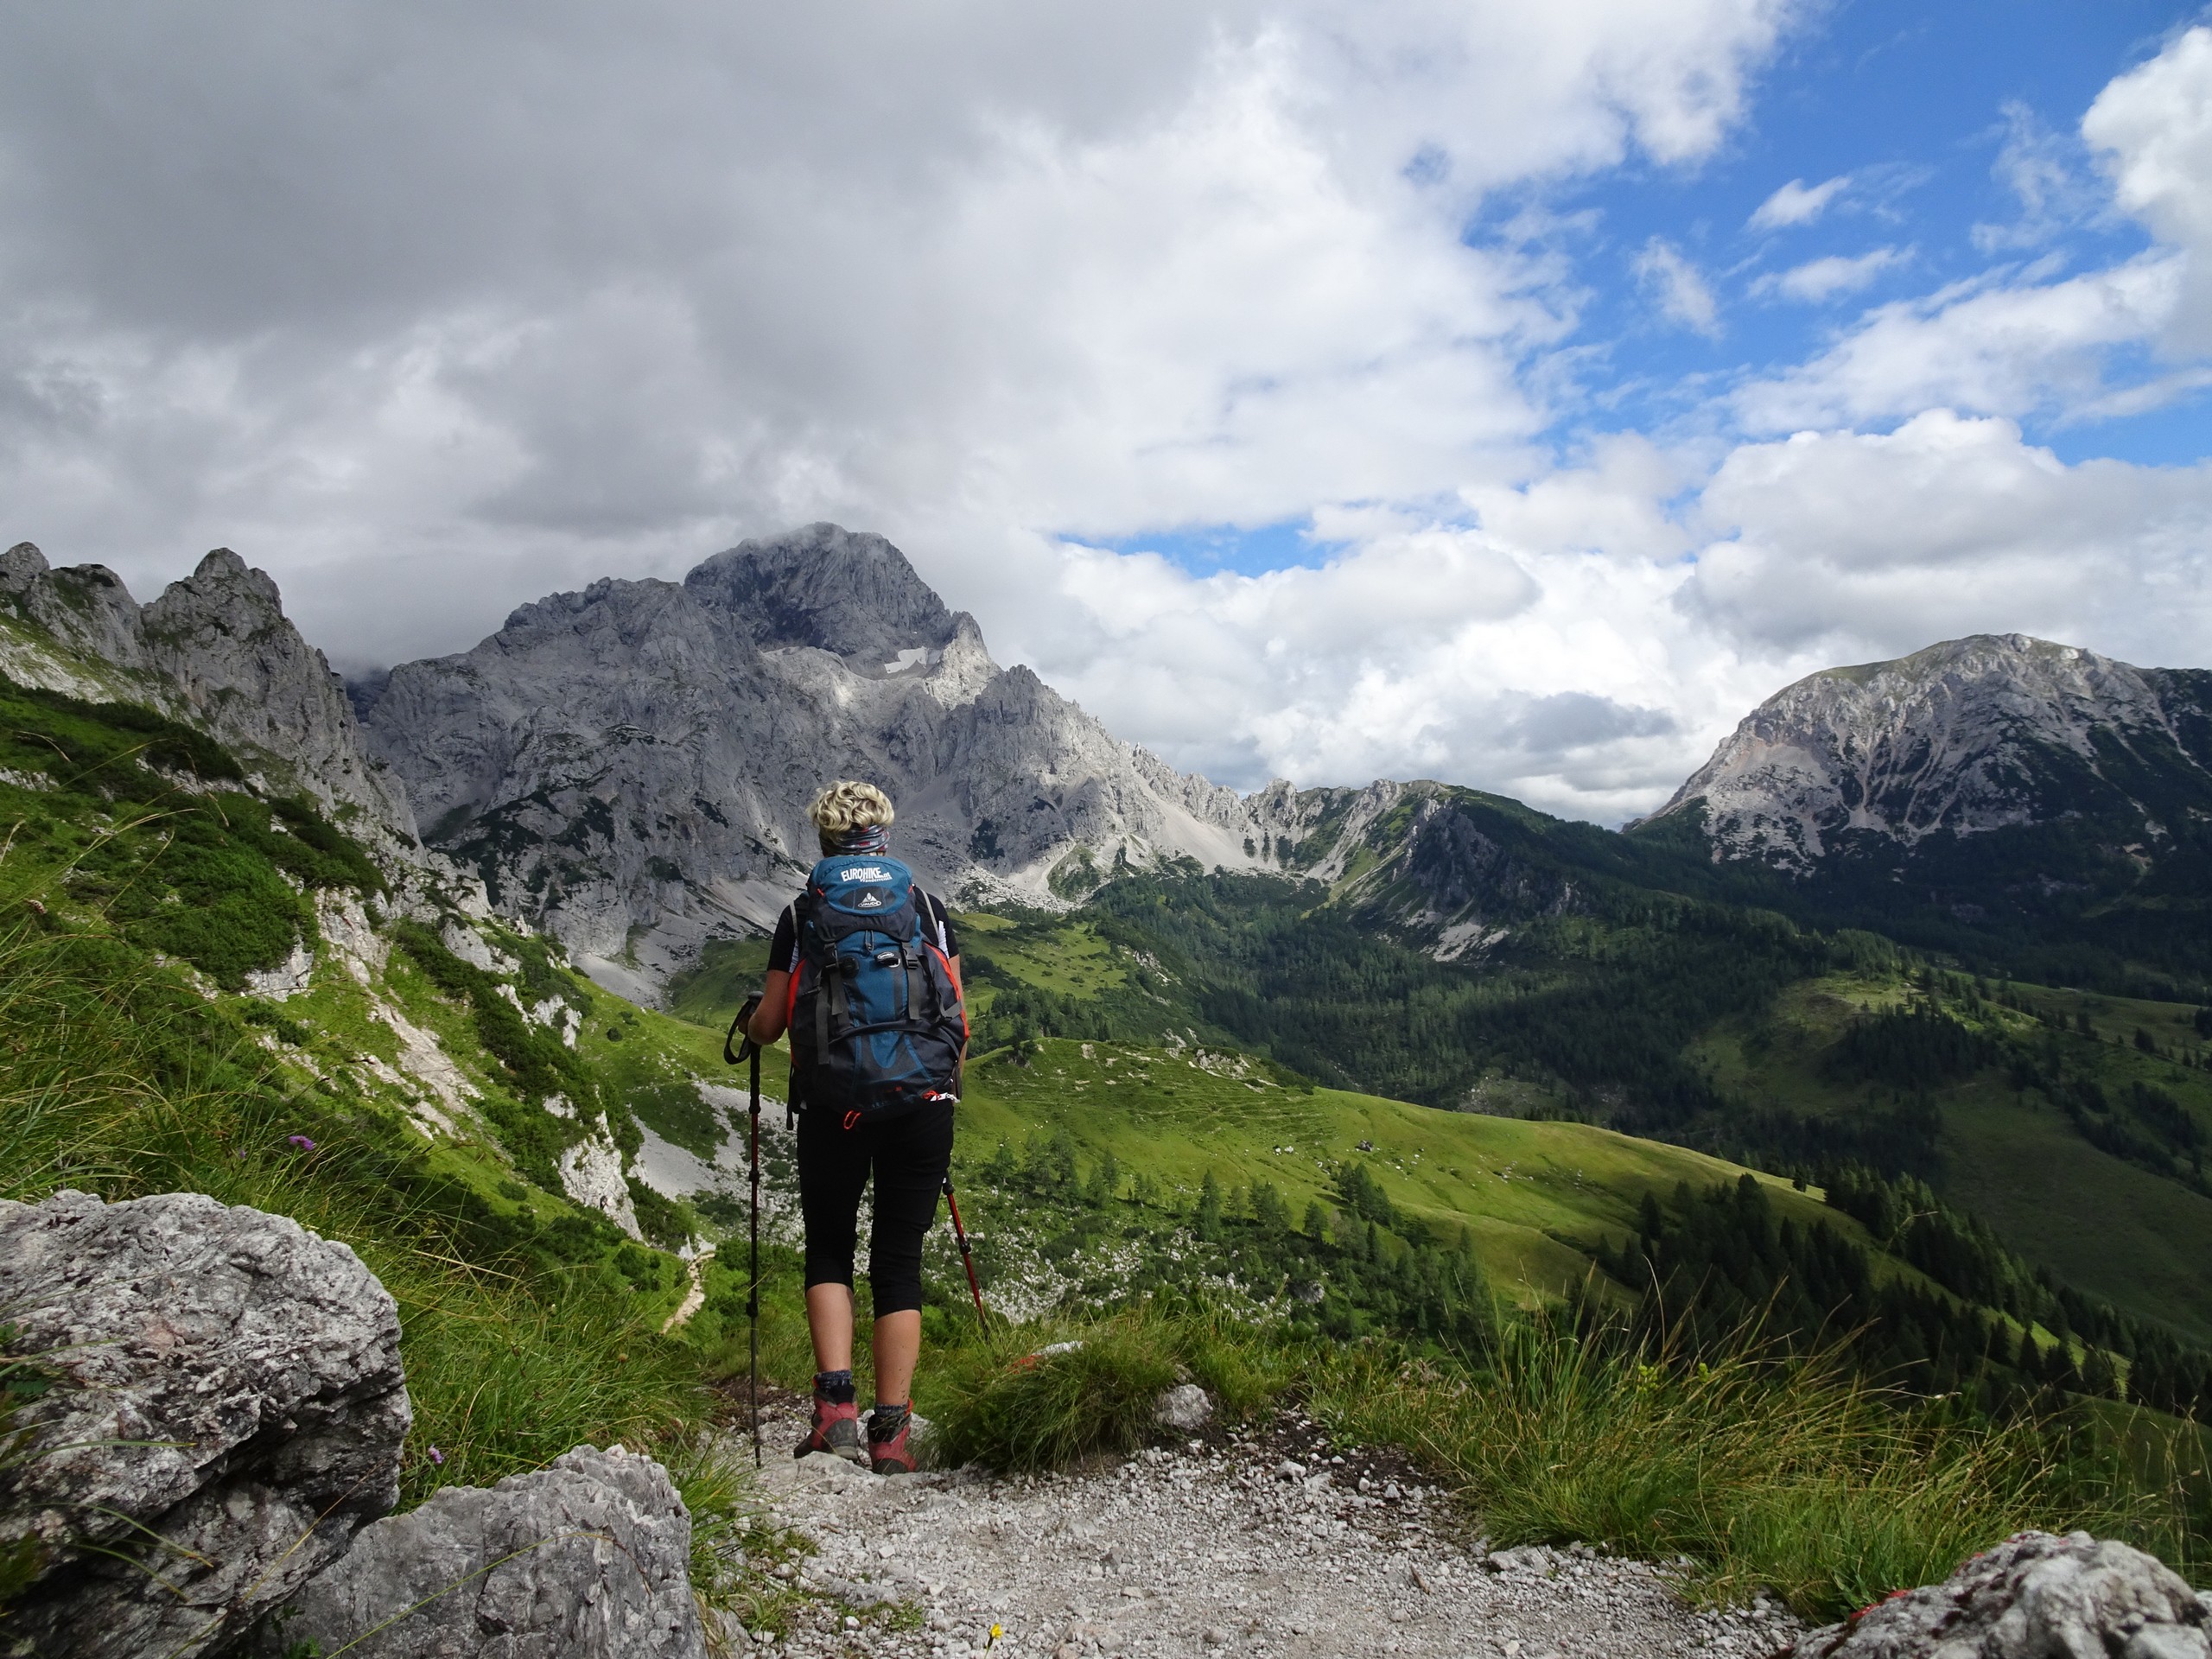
(865, 973)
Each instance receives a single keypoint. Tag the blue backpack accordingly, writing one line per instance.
(875, 1019)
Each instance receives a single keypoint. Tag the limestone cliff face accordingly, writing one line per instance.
(215, 649)
(630, 765)
(1987, 733)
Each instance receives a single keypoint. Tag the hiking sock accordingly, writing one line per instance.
(835, 1387)
(885, 1422)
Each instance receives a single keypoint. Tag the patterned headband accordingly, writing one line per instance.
(874, 838)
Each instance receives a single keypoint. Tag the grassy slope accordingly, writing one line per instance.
(1069, 959)
(1535, 1197)
(728, 971)
(125, 1069)
(1694, 1025)
(2101, 1224)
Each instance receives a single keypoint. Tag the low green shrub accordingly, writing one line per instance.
(1046, 1395)
(1789, 1475)
(1037, 1398)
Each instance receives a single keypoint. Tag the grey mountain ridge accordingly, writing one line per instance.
(627, 766)
(1970, 736)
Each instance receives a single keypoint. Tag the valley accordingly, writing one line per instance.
(1397, 1076)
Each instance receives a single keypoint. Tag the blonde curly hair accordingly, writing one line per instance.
(847, 805)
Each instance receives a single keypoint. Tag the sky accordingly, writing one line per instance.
(1318, 389)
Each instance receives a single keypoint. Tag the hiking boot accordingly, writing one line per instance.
(836, 1431)
(888, 1453)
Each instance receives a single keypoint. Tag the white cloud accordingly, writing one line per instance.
(1850, 546)
(426, 311)
(1817, 281)
(1559, 647)
(1684, 295)
(1796, 203)
(1982, 346)
(1434, 652)
(2010, 343)
(2038, 167)
(2152, 130)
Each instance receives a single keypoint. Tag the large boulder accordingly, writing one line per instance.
(589, 1558)
(229, 1411)
(2035, 1596)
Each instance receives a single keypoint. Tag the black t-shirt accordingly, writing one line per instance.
(783, 950)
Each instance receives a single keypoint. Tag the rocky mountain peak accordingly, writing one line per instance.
(221, 636)
(833, 589)
(84, 608)
(216, 649)
(629, 766)
(224, 599)
(1964, 737)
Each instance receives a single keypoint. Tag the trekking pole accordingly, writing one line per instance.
(967, 1256)
(750, 1051)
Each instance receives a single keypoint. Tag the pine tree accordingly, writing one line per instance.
(1316, 1225)
(1207, 1221)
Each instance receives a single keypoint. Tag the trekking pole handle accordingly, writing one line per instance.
(734, 1051)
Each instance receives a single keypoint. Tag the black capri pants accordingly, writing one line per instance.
(909, 1155)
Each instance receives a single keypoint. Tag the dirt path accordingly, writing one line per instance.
(1257, 1544)
(696, 1297)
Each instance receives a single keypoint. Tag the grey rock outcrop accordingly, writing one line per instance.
(586, 1559)
(84, 607)
(2035, 1596)
(629, 766)
(222, 638)
(1968, 736)
(230, 1387)
(215, 649)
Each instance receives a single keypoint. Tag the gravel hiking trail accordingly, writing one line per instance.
(1259, 1543)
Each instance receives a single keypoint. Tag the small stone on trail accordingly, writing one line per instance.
(1183, 1408)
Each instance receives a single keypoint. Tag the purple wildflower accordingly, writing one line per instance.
(301, 1143)
(437, 1456)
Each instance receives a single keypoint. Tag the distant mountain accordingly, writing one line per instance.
(216, 649)
(1992, 732)
(1997, 788)
(630, 765)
